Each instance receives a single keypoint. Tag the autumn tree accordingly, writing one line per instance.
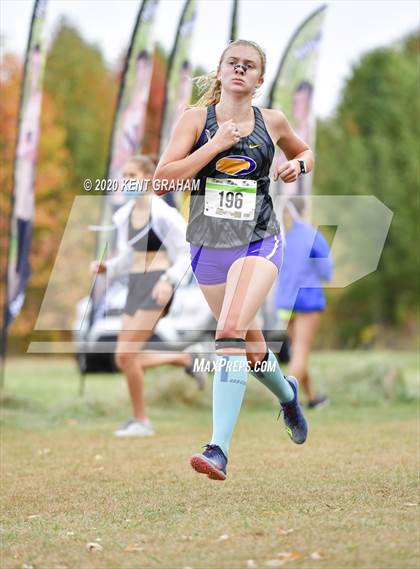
(371, 147)
(50, 182)
(78, 105)
(84, 92)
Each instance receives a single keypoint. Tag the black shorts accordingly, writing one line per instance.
(140, 286)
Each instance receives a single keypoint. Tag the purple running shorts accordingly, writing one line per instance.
(211, 265)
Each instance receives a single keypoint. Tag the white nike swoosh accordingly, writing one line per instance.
(253, 145)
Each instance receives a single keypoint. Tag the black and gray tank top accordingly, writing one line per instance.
(249, 159)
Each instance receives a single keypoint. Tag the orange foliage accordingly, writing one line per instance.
(10, 75)
(51, 173)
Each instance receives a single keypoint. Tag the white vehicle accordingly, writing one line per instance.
(189, 321)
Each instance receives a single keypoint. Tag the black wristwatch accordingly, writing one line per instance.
(302, 166)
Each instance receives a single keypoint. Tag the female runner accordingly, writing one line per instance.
(300, 298)
(235, 241)
(152, 249)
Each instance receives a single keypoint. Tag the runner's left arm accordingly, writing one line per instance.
(289, 142)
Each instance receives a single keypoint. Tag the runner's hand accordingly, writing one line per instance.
(288, 171)
(226, 136)
(162, 292)
(97, 267)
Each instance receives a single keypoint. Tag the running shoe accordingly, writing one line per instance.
(212, 462)
(319, 402)
(135, 428)
(296, 425)
(196, 352)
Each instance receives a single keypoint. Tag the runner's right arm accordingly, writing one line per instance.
(120, 264)
(177, 163)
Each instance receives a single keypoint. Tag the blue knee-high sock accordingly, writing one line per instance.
(229, 386)
(272, 377)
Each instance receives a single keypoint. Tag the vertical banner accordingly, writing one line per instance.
(234, 21)
(130, 116)
(293, 89)
(178, 82)
(130, 113)
(178, 87)
(18, 269)
(128, 128)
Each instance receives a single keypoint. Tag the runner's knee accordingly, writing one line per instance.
(230, 330)
(124, 360)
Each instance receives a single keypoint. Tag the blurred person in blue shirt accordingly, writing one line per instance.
(300, 297)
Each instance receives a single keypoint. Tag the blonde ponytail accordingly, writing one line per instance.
(210, 89)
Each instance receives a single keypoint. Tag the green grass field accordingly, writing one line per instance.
(347, 498)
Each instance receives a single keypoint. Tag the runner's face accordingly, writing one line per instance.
(240, 69)
(132, 172)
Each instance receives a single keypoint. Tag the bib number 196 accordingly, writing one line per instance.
(230, 198)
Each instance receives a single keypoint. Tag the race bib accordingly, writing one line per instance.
(230, 198)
